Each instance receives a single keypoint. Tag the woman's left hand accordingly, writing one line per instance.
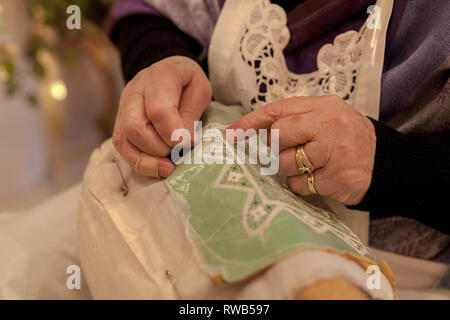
(337, 140)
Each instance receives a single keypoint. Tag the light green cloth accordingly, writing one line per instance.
(243, 221)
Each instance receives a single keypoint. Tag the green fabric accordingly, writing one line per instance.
(243, 221)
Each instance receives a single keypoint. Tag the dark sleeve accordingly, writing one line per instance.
(145, 39)
(411, 177)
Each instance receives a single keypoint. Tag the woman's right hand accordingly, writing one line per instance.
(170, 94)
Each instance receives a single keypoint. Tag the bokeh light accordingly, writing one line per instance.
(58, 90)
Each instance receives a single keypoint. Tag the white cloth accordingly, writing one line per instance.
(36, 248)
(136, 246)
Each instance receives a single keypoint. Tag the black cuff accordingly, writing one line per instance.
(145, 39)
(411, 176)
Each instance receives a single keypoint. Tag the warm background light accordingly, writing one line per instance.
(58, 90)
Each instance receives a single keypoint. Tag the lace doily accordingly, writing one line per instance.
(261, 45)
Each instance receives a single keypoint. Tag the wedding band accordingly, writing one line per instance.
(137, 165)
(304, 166)
(311, 187)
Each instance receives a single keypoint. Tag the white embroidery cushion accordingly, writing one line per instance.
(138, 246)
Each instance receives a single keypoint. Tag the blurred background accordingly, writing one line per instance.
(59, 91)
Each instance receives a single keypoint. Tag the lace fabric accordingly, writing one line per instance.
(338, 62)
(256, 67)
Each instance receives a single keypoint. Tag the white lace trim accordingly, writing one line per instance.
(256, 221)
(261, 76)
(261, 46)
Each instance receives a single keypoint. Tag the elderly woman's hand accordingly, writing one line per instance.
(337, 140)
(170, 94)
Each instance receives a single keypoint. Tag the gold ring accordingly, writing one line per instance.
(311, 187)
(304, 166)
(137, 165)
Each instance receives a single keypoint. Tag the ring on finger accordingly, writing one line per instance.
(311, 187)
(304, 165)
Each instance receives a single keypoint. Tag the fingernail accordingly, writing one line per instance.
(164, 172)
(165, 167)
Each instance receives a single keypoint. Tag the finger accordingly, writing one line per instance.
(299, 184)
(296, 130)
(148, 140)
(194, 101)
(137, 129)
(149, 165)
(154, 167)
(316, 153)
(267, 115)
(162, 98)
(128, 152)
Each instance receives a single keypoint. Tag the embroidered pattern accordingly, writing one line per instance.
(243, 221)
(264, 201)
(261, 45)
